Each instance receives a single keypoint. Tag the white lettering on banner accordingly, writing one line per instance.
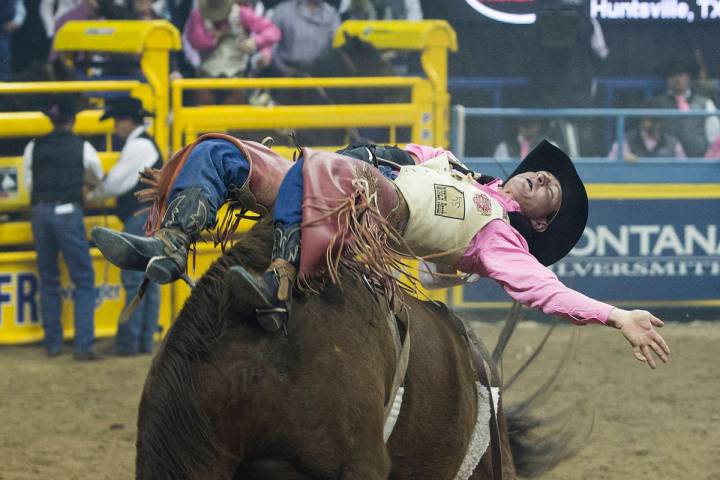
(637, 268)
(668, 239)
(655, 10)
(19, 292)
(709, 9)
(620, 243)
(647, 240)
(644, 251)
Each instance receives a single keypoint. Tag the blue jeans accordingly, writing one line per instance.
(64, 232)
(136, 335)
(215, 166)
(288, 205)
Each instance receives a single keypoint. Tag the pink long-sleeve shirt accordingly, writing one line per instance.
(499, 251)
(265, 32)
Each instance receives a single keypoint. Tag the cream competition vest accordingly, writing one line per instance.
(446, 210)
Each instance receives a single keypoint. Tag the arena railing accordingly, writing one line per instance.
(189, 121)
(151, 41)
(425, 113)
(603, 168)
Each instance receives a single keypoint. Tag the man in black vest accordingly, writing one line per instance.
(139, 151)
(55, 167)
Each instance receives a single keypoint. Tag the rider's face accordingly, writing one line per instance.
(539, 195)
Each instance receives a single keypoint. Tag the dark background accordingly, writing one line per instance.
(637, 47)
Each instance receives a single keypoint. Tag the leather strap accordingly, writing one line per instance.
(483, 373)
(402, 356)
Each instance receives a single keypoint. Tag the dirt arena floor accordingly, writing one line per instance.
(65, 420)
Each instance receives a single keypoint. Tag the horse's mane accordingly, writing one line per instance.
(176, 434)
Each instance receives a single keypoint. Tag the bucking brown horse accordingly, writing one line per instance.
(224, 399)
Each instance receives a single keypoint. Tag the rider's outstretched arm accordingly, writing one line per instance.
(500, 252)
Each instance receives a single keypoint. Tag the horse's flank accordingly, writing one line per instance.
(254, 395)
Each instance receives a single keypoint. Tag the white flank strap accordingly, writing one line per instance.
(480, 439)
(394, 414)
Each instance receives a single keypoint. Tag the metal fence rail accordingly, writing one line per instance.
(189, 121)
(462, 113)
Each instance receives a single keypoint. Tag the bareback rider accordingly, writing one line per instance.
(508, 231)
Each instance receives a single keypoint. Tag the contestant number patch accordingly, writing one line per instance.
(449, 202)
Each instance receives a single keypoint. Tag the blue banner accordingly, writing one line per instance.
(638, 252)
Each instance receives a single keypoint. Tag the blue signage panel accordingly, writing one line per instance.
(659, 252)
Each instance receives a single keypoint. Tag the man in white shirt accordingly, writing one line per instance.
(55, 167)
(139, 151)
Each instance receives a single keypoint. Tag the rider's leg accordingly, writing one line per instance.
(203, 183)
(271, 292)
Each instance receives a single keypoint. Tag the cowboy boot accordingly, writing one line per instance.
(270, 293)
(164, 255)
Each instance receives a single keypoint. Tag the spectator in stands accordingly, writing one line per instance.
(307, 29)
(177, 12)
(695, 133)
(52, 10)
(85, 10)
(357, 10)
(529, 135)
(55, 167)
(649, 139)
(231, 38)
(135, 336)
(94, 10)
(12, 16)
(714, 150)
(94, 65)
(143, 10)
(380, 10)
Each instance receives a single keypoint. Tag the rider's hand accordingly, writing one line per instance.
(637, 327)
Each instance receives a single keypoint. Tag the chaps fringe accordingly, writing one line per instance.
(363, 244)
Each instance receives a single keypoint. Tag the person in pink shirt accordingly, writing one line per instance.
(231, 39)
(714, 150)
(509, 231)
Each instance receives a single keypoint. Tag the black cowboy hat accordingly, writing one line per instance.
(125, 107)
(567, 227)
(61, 109)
